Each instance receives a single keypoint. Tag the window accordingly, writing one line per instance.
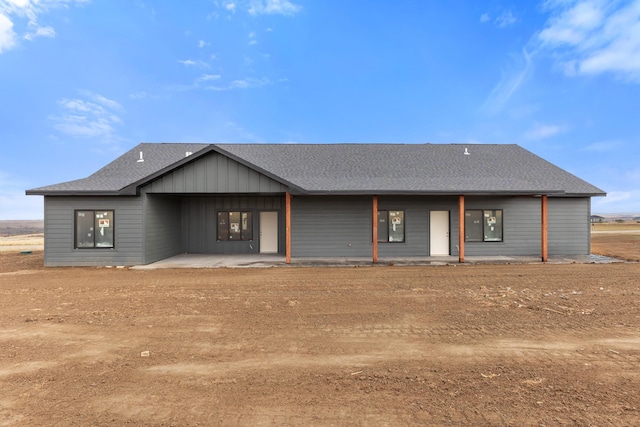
(94, 229)
(391, 226)
(235, 226)
(483, 225)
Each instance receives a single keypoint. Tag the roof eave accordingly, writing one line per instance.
(432, 193)
(70, 193)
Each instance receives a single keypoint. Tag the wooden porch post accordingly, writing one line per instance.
(375, 229)
(461, 228)
(288, 228)
(545, 229)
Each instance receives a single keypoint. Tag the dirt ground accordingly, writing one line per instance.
(501, 345)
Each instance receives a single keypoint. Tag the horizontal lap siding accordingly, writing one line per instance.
(416, 211)
(215, 173)
(163, 227)
(521, 226)
(59, 231)
(569, 226)
(199, 223)
(331, 226)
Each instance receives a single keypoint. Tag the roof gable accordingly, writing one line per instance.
(213, 172)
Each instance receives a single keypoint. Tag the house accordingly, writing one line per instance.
(596, 219)
(317, 200)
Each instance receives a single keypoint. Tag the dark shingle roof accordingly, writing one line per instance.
(352, 169)
(411, 168)
(125, 170)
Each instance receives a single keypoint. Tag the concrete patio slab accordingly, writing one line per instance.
(276, 260)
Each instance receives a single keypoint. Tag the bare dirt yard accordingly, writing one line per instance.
(501, 345)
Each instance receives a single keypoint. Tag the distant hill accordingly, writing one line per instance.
(20, 227)
(619, 217)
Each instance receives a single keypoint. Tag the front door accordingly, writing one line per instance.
(268, 232)
(439, 233)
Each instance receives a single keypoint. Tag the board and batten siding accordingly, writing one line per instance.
(569, 222)
(199, 222)
(59, 223)
(416, 210)
(214, 173)
(331, 226)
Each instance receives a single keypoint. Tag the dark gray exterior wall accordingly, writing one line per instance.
(162, 227)
(522, 225)
(156, 226)
(416, 211)
(331, 226)
(568, 226)
(325, 226)
(569, 222)
(181, 208)
(59, 231)
(199, 222)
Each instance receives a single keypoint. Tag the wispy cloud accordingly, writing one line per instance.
(604, 146)
(241, 84)
(594, 37)
(215, 82)
(27, 13)
(542, 131)
(506, 19)
(252, 39)
(7, 35)
(91, 117)
(49, 32)
(194, 63)
(511, 79)
(208, 78)
(618, 201)
(273, 7)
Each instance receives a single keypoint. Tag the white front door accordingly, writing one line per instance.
(439, 233)
(268, 232)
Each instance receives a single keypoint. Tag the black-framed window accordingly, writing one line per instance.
(235, 226)
(483, 225)
(391, 226)
(94, 229)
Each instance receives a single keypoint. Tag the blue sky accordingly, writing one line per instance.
(82, 81)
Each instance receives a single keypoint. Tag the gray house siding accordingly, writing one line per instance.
(569, 222)
(568, 226)
(199, 223)
(521, 230)
(328, 226)
(59, 231)
(162, 227)
(215, 173)
(416, 211)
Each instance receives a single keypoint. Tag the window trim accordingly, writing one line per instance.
(93, 214)
(388, 221)
(228, 231)
(484, 224)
